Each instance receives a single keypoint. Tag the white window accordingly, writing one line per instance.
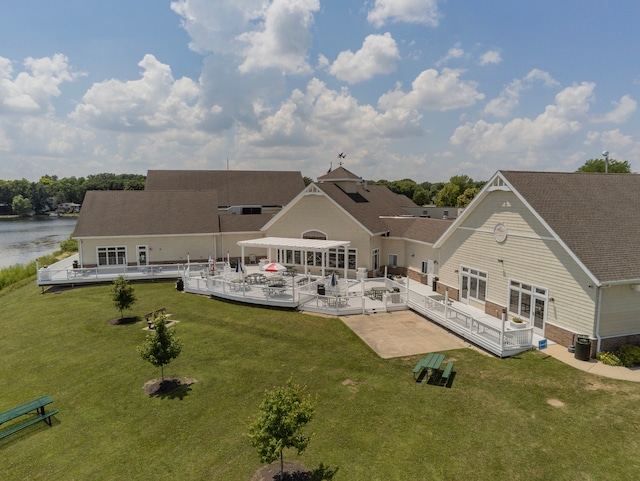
(375, 259)
(473, 284)
(425, 267)
(528, 302)
(393, 260)
(112, 256)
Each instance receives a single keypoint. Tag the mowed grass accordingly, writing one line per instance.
(372, 421)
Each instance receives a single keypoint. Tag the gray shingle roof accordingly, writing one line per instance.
(234, 187)
(368, 205)
(421, 229)
(244, 223)
(137, 212)
(596, 215)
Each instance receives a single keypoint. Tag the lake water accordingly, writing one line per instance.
(22, 241)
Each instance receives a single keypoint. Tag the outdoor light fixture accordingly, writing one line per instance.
(501, 261)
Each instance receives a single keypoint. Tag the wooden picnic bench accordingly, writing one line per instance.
(149, 316)
(35, 405)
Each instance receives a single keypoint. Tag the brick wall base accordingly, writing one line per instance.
(417, 276)
(614, 343)
(454, 294)
(494, 310)
(565, 338)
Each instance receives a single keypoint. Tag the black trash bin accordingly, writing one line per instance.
(583, 348)
(434, 284)
(321, 290)
(179, 285)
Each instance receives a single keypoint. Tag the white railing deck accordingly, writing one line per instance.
(347, 297)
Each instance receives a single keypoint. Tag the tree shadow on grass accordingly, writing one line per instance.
(170, 388)
(294, 472)
(122, 321)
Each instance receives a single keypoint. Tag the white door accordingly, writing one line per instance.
(143, 258)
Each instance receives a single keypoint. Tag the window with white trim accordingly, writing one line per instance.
(393, 260)
(474, 283)
(112, 256)
(522, 296)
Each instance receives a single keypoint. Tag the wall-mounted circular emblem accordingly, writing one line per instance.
(500, 232)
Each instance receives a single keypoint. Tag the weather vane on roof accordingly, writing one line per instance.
(341, 155)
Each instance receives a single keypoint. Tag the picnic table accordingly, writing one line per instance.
(441, 298)
(36, 405)
(378, 292)
(431, 366)
(274, 291)
(256, 278)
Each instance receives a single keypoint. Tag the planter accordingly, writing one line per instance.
(518, 325)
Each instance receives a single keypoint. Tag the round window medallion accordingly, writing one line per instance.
(500, 232)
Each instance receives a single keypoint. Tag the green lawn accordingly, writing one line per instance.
(372, 421)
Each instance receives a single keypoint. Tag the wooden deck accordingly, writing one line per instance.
(347, 297)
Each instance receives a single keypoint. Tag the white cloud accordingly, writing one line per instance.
(213, 25)
(409, 11)
(155, 102)
(320, 120)
(378, 55)
(31, 91)
(490, 57)
(554, 128)
(509, 98)
(433, 91)
(454, 52)
(284, 38)
(622, 112)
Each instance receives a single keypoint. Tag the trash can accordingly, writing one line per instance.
(583, 348)
(180, 285)
(321, 290)
(434, 284)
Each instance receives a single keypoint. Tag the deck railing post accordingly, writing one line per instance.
(504, 320)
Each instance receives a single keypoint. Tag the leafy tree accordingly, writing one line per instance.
(21, 206)
(421, 196)
(598, 165)
(122, 294)
(283, 412)
(465, 198)
(161, 345)
(307, 180)
(448, 195)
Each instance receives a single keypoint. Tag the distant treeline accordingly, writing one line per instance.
(52, 190)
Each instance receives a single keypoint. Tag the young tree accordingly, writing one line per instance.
(122, 294)
(283, 412)
(161, 345)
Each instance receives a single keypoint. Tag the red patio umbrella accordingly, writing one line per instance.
(274, 267)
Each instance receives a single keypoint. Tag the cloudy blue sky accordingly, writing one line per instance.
(420, 89)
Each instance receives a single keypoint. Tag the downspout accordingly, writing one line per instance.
(598, 311)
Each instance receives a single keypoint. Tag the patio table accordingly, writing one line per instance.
(378, 292)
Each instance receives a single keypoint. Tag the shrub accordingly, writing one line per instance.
(629, 355)
(70, 245)
(609, 358)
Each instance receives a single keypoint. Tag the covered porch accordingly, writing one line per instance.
(296, 252)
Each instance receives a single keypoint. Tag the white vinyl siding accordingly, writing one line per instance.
(528, 253)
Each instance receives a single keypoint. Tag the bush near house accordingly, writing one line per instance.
(629, 355)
